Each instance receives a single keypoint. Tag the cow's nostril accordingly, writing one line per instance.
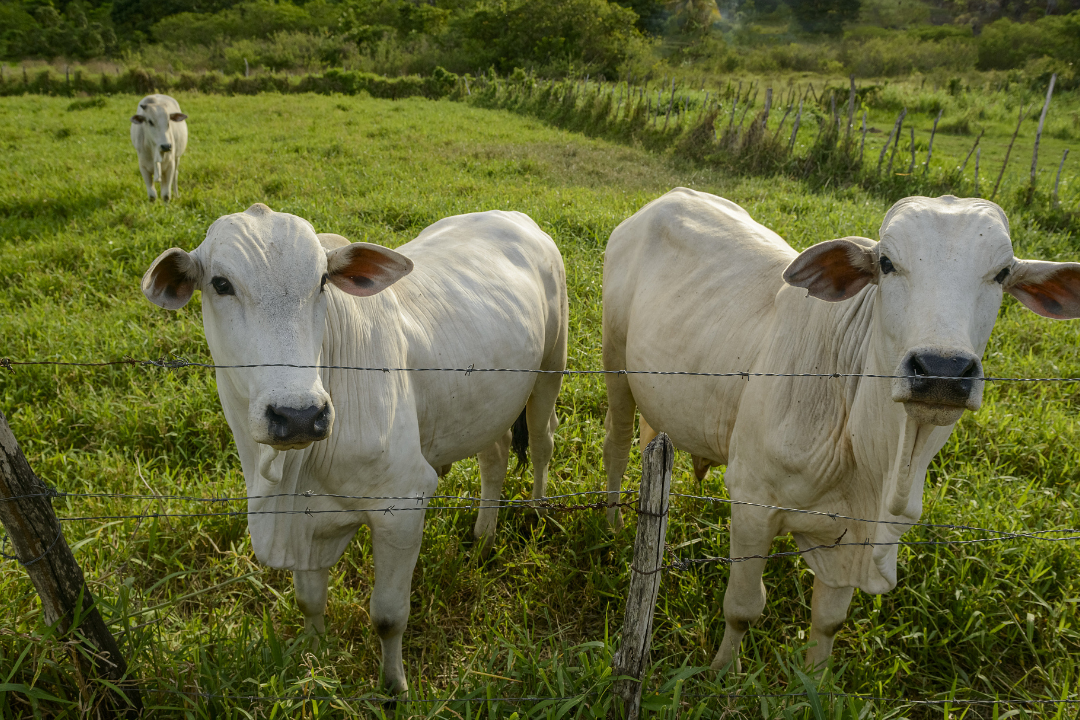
(166, 148)
(972, 370)
(917, 366)
(291, 425)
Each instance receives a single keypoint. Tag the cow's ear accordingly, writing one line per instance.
(834, 270)
(363, 269)
(178, 117)
(172, 279)
(138, 119)
(1050, 289)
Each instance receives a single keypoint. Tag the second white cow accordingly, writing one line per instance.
(487, 290)
(693, 283)
(159, 134)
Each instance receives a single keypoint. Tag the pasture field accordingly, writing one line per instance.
(194, 611)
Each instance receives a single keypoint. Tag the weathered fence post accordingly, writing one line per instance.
(1038, 133)
(27, 515)
(1019, 120)
(633, 653)
(1054, 200)
(930, 149)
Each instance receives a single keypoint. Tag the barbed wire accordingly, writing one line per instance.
(178, 362)
(471, 502)
(385, 699)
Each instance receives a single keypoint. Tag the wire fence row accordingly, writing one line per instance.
(176, 363)
(382, 699)
(548, 504)
(555, 503)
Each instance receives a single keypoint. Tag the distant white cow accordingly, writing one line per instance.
(159, 134)
(485, 290)
(692, 283)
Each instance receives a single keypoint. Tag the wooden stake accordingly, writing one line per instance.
(971, 151)
(850, 107)
(1038, 133)
(671, 101)
(795, 130)
(930, 149)
(1008, 152)
(895, 131)
(632, 656)
(978, 153)
(911, 167)
(1054, 202)
(27, 515)
(768, 106)
(862, 142)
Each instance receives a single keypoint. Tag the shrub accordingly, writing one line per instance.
(593, 34)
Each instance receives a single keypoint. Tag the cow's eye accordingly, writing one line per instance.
(886, 265)
(222, 286)
(151, 123)
(322, 285)
(1000, 277)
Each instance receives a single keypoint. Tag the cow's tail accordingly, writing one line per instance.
(519, 441)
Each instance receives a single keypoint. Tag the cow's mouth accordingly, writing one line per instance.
(924, 413)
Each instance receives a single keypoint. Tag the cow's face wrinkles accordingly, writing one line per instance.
(264, 303)
(940, 268)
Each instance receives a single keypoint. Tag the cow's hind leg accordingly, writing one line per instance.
(647, 433)
(828, 610)
(311, 589)
(744, 599)
(618, 436)
(540, 415)
(176, 178)
(395, 545)
(492, 475)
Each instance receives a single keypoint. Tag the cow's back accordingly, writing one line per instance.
(689, 284)
(487, 290)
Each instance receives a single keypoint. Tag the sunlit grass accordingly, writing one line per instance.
(539, 617)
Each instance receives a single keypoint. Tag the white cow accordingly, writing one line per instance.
(692, 282)
(159, 134)
(486, 289)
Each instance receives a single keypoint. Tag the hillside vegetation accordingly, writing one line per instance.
(553, 38)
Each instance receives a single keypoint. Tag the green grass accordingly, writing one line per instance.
(541, 614)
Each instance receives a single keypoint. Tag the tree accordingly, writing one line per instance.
(824, 16)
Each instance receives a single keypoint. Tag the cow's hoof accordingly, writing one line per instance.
(390, 707)
(152, 199)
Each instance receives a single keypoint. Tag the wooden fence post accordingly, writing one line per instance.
(633, 653)
(27, 515)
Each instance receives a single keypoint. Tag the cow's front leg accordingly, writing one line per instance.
(148, 180)
(751, 534)
(828, 610)
(395, 545)
(311, 587)
(492, 475)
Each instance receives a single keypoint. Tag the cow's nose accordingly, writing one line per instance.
(166, 147)
(291, 425)
(942, 378)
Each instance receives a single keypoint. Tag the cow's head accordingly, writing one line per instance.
(941, 267)
(157, 124)
(264, 278)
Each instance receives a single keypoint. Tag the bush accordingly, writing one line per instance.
(901, 55)
(591, 34)
(1005, 45)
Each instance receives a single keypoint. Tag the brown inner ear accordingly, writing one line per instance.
(831, 274)
(171, 280)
